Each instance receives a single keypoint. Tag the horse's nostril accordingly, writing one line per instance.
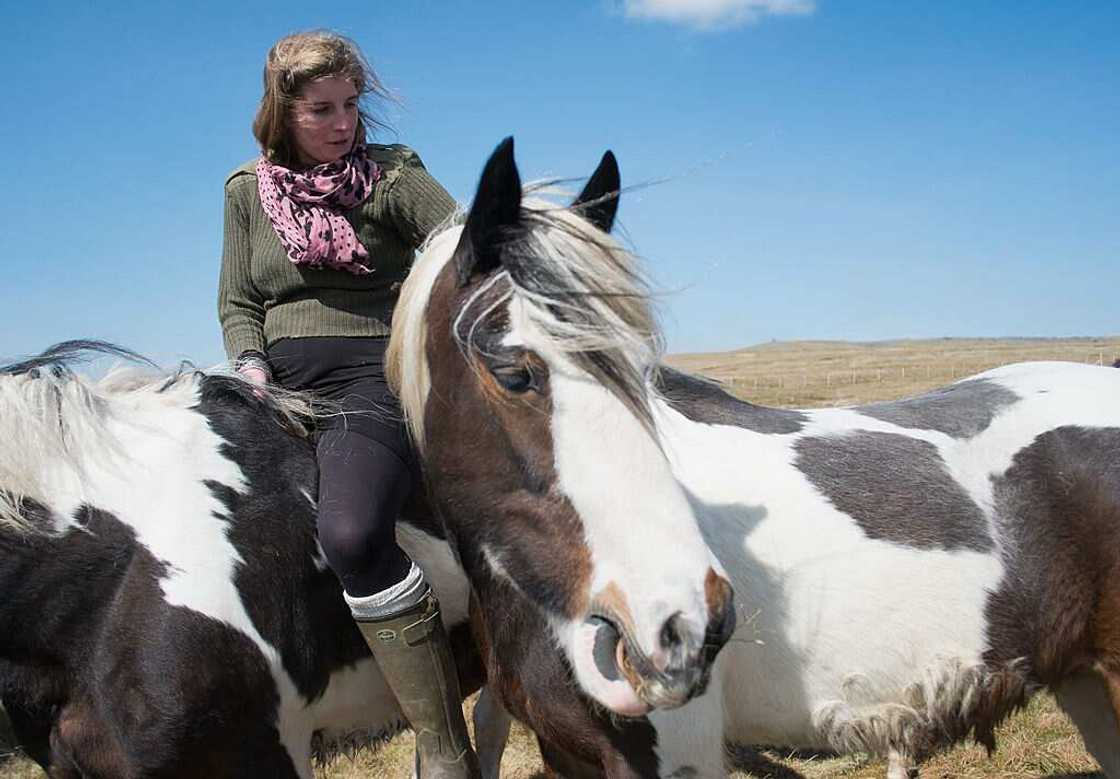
(672, 635)
(605, 648)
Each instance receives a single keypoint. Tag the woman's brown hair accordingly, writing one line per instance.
(294, 62)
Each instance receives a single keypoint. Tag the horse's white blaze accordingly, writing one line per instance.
(637, 522)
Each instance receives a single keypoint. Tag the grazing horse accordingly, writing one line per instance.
(907, 573)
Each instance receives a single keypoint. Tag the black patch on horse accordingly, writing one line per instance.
(272, 527)
(144, 687)
(704, 401)
(960, 410)
(1058, 511)
(896, 488)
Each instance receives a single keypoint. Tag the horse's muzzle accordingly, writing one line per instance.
(680, 668)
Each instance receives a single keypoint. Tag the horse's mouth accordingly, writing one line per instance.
(608, 673)
(635, 682)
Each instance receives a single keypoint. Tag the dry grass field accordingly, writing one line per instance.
(1038, 743)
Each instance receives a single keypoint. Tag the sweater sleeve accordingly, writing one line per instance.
(417, 203)
(240, 307)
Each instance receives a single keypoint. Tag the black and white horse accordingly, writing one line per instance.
(906, 573)
(166, 608)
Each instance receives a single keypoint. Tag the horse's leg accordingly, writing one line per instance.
(31, 727)
(690, 739)
(1090, 701)
(491, 732)
(561, 764)
(81, 745)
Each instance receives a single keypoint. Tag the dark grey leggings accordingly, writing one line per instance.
(362, 487)
(366, 467)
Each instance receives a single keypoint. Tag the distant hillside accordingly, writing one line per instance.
(830, 373)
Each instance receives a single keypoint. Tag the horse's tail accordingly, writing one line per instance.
(1117, 363)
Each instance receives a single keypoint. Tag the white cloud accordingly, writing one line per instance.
(711, 14)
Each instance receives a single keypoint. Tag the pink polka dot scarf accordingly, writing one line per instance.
(305, 208)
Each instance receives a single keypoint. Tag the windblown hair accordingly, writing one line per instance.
(55, 420)
(294, 62)
(581, 290)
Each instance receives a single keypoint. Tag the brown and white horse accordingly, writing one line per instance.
(912, 571)
(166, 608)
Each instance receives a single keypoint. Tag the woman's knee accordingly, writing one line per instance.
(362, 488)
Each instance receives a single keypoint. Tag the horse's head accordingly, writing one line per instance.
(524, 350)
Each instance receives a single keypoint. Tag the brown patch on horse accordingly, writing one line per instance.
(498, 494)
(81, 740)
(577, 737)
(611, 603)
(1058, 508)
(717, 594)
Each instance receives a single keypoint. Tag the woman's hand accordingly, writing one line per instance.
(255, 375)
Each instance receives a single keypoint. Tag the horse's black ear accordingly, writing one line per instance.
(496, 208)
(598, 203)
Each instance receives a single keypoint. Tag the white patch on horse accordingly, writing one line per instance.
(817, 583)
(624, 493)
(356, 710)
(441, 569)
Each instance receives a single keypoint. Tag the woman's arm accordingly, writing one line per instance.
(240, 306)
(417, 202)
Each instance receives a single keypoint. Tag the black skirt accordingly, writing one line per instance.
(349, 373)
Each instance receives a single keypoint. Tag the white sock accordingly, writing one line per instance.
(392, 600)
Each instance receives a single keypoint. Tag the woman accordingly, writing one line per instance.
(319, 232)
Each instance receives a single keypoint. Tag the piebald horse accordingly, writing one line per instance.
(167, 610)
(906, 573)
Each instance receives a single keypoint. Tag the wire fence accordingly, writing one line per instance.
(778, 378)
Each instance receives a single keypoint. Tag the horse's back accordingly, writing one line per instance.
(911, 566)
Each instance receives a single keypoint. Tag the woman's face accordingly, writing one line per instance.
(324, 119)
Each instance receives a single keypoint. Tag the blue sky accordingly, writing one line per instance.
(847, 170)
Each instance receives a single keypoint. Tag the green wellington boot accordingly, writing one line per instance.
(412, 650)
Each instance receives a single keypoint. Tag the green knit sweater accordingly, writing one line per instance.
(263, 297)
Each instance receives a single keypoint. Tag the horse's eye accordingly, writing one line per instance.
(514, 378)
